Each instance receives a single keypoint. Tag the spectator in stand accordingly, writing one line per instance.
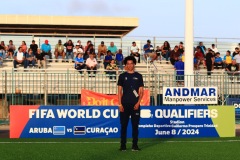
(107, 59)
(166, 49)
(218, 61)
(179, 68)
(11, 49)
(119, 59)
(112, 48)
(59, 50)
(3, 49)
(181, 48)
(232, 70)
(112, 68)
(80, 45)
(1, 59)
(46, 49)
(19, 58)
(200, 57)
(237, 58)
(135, 52)
(237, 51)
(30, 58)
(227, 59)
(40, 57)
(202, 48)
(88, 43)
(24, 47)
(77, 50)
(102, 50)
(79, 62)
(91, 64)
(34, 47)
(174, 54)
(69, 49)
(209, 62)
(88, 51)
(158, 52)
(148, 48)
(214, 48)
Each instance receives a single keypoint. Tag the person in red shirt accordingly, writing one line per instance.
(200, 58)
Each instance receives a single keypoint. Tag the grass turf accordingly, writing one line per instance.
(184, 149)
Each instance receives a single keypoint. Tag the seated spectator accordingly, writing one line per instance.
(69, 49)
(102, 50)
(24, 47)
(80, 45)
(1, 59)
(237, 51)
(233, 70)
(135, 52)
(87, 46)
(214, 48)
(181, 48)
(30, 58)
(227, 59)
(107, 59)
(91, 64)
(112, 67)
(174, 54)
(19, 58)
(89, 50)
(77, 50)
(59, 50)
(112, 48)
(237, 58)
(200, 57)
(179, 67)
(158, 52)
(11, 49)
(148, 48)
(202, 49)
(3, 49)
(166, 49)
(79, 62)
(218, 61)
(119, 59)
(46, 49)
(40, 57)
(34, 47)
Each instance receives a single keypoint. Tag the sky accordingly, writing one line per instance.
(166, 18)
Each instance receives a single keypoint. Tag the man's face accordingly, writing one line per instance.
(130, 65)
(112, 44)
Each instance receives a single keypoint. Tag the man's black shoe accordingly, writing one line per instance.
(123, 148)
(135, 148)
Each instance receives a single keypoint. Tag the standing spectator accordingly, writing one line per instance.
(46, 49)
(91, 64)
(135, 52)
(3, 49)
(79, 62)
(112, 48)
(209, 62)
(237, 51)
(59, 50)
(102, 50)
(166, 49)
(202, 48)
(130, 93)
(77, 50)
(40, 57)
(30, 58)
(119, 59)
(19, 58)
(179, 68)
(174, 54)
(227, 59)
(24, 47)
(69, 49)
(148, 48)
(112, 68)
(34, 47)
(218, 61)
(181, 48)
(214, 48)
(232, 70)
(11, 49)
(107, 59)
(199, 57)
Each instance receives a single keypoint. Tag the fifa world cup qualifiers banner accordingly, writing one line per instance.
(190, 95)
(104, 122)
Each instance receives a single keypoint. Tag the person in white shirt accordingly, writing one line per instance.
(237, 58)
(77, 50)
(214, 48)
(19, 58)
(135, 52)
(91, 64)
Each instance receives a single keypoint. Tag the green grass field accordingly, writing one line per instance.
(107, 149)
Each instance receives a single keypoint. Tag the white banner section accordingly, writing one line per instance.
(190, 95)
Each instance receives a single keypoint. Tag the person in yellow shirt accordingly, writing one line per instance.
(227, 59)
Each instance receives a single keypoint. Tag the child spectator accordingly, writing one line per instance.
(218, 61)
(119, 59)
(179, 67)
(107, 59)
(200, 57)
(227, 59)
(40, 57)
(79, 62)
(112, 67)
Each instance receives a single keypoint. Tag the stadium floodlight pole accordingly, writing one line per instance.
(188, 61)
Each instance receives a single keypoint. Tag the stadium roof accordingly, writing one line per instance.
(66, 25)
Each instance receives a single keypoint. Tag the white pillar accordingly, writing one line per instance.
(188, 63)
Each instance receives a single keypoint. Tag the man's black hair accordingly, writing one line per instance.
(131, 58)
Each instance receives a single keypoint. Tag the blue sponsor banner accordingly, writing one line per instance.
(104, 122)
